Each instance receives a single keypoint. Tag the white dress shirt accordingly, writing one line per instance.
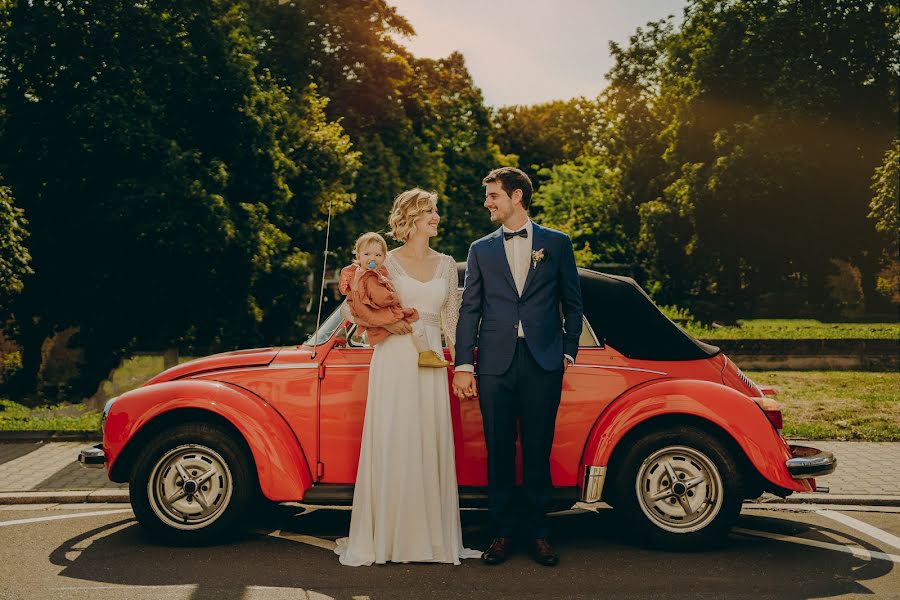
(518, 255)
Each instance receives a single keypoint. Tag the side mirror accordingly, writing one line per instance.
(340, 337)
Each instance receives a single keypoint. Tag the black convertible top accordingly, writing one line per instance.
(623, 316)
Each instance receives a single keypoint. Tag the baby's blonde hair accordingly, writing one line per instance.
(370, 237)
(407, 207)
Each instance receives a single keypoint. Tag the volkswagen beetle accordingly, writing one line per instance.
(661, 426)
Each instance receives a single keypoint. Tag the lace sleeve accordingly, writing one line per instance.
(450, 310)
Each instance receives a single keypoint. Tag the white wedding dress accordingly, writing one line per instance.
(405, 503)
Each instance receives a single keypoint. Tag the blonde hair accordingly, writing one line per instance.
(407, 208)
(370, 237)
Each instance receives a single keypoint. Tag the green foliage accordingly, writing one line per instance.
(171, 184)
(16, 417)
(580, 198)
(802, 127)
(794, 329)
(415, 122)
(746, 159)
(682, 316)
(886, 196)
(14, 255)
(546, 134)
(176, 162)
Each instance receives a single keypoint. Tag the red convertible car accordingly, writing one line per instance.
(661, 426)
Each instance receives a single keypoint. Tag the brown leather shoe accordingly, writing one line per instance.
(544, 553)
(496, 554)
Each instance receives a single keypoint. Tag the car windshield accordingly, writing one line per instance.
(326, 330)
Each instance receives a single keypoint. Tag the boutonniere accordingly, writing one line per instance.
(536, 257)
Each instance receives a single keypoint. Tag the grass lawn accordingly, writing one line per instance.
(63, 417)
(837, 405)
(795, 329)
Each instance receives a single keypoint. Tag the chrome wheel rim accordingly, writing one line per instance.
(679, 489)
(190, 487)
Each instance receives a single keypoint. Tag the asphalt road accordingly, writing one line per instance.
(99, 552)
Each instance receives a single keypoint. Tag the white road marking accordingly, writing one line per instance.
(799, 508)
(250, 592)
(871, 530)
(854, 550)
(58, 517)
(292, 593)
(72, 588)
(303, 539)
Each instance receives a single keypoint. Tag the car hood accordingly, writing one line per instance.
(255, 357)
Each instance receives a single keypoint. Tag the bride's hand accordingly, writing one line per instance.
(399, 328)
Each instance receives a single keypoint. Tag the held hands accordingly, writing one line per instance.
(464, 385)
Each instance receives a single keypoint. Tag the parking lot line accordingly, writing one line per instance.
(854, 550)
(871, 530)
(58, 517)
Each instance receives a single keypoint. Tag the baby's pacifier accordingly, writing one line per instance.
(372, 264)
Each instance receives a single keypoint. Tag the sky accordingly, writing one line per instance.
(530, 51)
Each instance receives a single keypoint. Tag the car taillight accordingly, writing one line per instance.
(773, 412)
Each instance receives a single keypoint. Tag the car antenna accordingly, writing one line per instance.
(322, 288)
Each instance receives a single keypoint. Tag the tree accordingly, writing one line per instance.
(885, 183)
(747, 158)
(448, 112)
(14, 256)
(170, 182)
(580, 198)
(416, 122)
(546, 134)
(884, 210)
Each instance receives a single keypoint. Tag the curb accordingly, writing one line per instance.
(858, 500)
(49, 435)
(64, 497)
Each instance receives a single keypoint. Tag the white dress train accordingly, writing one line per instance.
(406, 503)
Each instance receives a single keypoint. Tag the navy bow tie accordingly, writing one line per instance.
(508, 235)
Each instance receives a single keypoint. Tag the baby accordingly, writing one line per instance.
(373, 301)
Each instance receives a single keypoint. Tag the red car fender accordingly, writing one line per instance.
(281, 465)
(733, 412)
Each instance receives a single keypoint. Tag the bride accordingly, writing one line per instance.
(405, 503)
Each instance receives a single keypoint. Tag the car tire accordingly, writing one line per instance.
(192, 484)
(679, 489)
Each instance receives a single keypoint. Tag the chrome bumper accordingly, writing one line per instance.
(92, 457)
(808, 462)
(594, 477)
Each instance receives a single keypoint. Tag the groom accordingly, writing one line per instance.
(517, 279)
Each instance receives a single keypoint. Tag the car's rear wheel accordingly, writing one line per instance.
(679, 489)
(191, 484)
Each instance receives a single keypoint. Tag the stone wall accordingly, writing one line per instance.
(813, 354)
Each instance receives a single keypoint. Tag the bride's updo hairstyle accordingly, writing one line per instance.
(407, 208)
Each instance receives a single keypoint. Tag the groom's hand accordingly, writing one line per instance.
(464, 385)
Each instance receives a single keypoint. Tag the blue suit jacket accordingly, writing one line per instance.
(490, 299)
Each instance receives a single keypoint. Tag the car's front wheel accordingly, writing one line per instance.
(191, 484)
(679, 489)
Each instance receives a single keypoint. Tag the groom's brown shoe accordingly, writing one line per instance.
(496, 554)
(544, 553)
